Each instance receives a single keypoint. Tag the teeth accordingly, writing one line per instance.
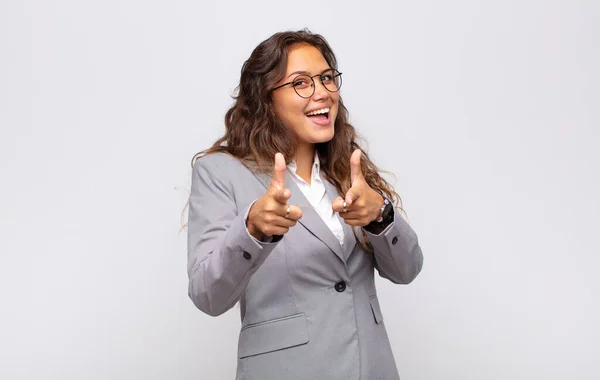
(318, 112)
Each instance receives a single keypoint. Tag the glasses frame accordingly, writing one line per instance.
(336, 74)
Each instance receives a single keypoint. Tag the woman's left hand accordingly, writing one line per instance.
(363, 204)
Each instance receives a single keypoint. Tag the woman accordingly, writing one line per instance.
(290, 218)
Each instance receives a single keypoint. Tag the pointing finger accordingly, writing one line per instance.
(338, 204)
(282, 196)
(351, 196)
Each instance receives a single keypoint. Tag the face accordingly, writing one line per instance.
(311, 119)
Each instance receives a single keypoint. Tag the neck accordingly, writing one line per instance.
(304, 160)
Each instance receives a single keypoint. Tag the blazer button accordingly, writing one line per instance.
(340, 286)
(395, 240)
(247, 256)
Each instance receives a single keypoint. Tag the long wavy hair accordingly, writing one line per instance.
(254, 133)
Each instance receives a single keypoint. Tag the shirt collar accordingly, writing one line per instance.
(316, 167)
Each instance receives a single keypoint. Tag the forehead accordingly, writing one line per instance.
(305, 58)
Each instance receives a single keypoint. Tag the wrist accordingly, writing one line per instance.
(381, 207)
(384, 219)
(253, 230)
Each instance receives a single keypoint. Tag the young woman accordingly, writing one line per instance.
(290, 218)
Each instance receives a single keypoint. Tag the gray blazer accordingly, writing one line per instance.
(309, 307)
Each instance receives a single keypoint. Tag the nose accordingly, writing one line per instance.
(320, 90)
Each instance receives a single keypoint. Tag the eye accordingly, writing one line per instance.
(301, 82)
(326, 78)
(329, 76)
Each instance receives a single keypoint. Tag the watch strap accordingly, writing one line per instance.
(380, 217)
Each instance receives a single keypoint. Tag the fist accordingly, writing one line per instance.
(271, 214)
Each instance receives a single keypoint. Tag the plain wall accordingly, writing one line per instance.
(486, 111)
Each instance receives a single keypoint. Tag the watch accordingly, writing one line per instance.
(386, 215)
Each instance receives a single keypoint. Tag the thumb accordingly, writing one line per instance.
(278, 180)
(355, 167)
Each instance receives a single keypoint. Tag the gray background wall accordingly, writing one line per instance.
(486, 111)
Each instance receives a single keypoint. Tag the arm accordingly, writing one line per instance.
(398, 256)
(222, 255)
(397, 253)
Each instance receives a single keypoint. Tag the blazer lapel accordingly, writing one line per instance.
(310, 218)
(349, 239)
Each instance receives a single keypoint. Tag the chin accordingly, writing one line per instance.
(323, 138)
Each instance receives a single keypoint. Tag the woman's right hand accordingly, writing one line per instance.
(271, 214)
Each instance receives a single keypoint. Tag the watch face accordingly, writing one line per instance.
(387, 211)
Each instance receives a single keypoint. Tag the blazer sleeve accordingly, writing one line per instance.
(222, 255)
(398, 256)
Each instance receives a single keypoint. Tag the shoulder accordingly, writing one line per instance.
(222, 168)
(218, 161)
(224, 172)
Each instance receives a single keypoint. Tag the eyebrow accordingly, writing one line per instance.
(307, 73)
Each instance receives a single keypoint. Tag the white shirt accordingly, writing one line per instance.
(317, 197)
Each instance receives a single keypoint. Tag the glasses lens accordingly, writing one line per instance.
(303, 84)
(332, 80)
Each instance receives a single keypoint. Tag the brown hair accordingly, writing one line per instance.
(254, 133)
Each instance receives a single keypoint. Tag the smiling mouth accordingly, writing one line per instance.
(320, 117)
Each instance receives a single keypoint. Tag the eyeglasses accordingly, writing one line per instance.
(304, 85)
